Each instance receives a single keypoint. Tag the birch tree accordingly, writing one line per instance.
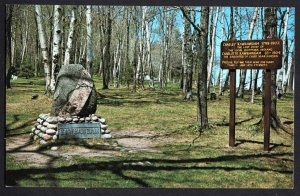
(89, 40)
(212, 52)
(71, 35)
(244, 71)
(55, 45)
(288, 82)
(222, 39)
(44, 51)
(284, 54)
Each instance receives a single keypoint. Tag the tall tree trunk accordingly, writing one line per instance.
(222, 38)
(202, 75)
(43, 45)
(212, 52)
(280, 81)
(71, 35)
(9, 11)
(89, 40)
(270, 30)
(107, 57)
(139, 71)
(56, 46)
(244, 71)
(188, 56)
(288, 82)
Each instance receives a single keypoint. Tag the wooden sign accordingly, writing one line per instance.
(251, 54)
(80, 130)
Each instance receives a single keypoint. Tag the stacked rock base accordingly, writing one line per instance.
(45, 129)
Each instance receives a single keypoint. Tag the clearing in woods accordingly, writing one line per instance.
(155, 143)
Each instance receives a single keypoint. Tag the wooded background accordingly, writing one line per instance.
(139, 45)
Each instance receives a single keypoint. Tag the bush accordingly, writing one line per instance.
(26, 71)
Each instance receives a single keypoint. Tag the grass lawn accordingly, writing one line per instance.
(166, 150)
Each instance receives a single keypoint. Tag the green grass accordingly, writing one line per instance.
(206, 162)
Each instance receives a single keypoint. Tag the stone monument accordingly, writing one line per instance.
(73, 109)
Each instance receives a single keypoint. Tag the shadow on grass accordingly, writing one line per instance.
(16, 119)
(243, 141)
(13, 176)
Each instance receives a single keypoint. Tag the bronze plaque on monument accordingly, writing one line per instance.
(251, 54)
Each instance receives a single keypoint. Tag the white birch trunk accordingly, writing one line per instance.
(89, 42)
(24, 40)
(222, 38)
(244, 71)
(281, 72)
(43, 45)
(140, 58)
(211, 59)
(70, 36)
(56, 45)
(254, 71)
(288, 75)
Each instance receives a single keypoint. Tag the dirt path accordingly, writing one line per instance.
(25, 150)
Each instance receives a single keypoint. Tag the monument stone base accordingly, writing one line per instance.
(51, 128)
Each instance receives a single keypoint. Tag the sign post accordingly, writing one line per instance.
(251, 54)
(232, 107)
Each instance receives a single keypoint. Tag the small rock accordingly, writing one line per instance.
(87, 119)
(107, 131)
(52, 126)
(75, 119)
(52, 120)
(68, 119)
(126, 164)
(39, 126)
(32, 130)
(41, 115)
(40, 134)
(140, 163)
(81, 119)
(47, 137)
(104, 126)
(54, 148)
(117, 147)
(36, 124)
(94, 118)
(35, 137)
(102, 120)
(39, 120)
(43, 142)
(51, 131)
(102, 131)
(45, 123)
(148, 163)
(31, 134)
(61, 119)
(54, 137)
(115, 144)
(43, 129)
(37, 131)
(133, 164)
(106, 144)
(106, 136)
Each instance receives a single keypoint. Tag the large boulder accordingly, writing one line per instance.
(75, 93)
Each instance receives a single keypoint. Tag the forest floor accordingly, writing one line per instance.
(155, 143)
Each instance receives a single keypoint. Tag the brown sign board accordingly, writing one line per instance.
(251, 54)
